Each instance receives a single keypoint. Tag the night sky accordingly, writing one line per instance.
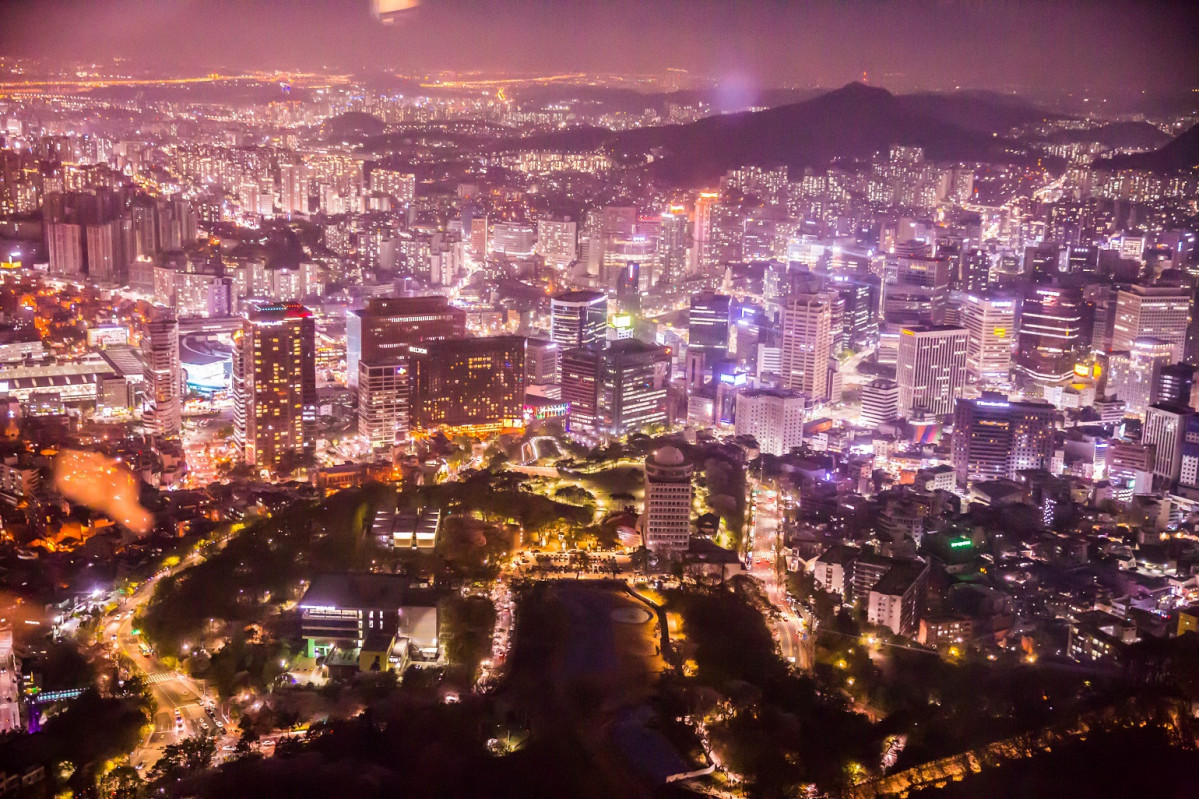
(1027, 46)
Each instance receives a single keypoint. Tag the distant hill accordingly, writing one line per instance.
(1116, 134)
(855, 121)
(1179, 155)
(352, 125)
(985, 111)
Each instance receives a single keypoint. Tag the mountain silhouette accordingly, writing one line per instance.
(852, 122)
(1179, 155)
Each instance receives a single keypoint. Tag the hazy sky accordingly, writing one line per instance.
(901, 45)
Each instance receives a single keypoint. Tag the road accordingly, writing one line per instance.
(171, 690)
(765, 547)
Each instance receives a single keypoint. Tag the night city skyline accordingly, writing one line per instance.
(620, 400)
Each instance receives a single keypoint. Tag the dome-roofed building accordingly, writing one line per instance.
(666, 523)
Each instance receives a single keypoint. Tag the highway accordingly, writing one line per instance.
(764, 549)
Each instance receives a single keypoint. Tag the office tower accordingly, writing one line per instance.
(861, 317)
(579, 319)
(475, 383)
(558, 241)
(274, 385)
(672, 248)
(774, 418)
(805, 346)
(541, 362)
(708, 326)
(1100, 301)
(917, 289)
(1160, 312)
(1082, 260)
(383, 411)
(880, 402)
(702, 255)
(163, 415)
(1165, 428)
(478, 239)
(619, 390)
(931, 368)
(1043, 264)
(381, 333)
(1131, 375)
(974, 271)
(666, 526)
(65, 243)
(513, 240)
(991, 324)
(1188, 467)
(1051, 333)
(1173, 384)
(994, 438)
(628, 264)
(399, 185)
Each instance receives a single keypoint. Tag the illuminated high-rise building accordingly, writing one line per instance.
(880, 402)
(917, 289)
(1132, 375)
(1160, 312)
(293, 188)
(163, 414)
(708, 326)
(702, 253)
(477, 383)
(931, 368)
(619, 390)
(991, 324)
(666, 524)
(381, 333)
(378, 338)
(994, 437)
(579, 319)
(1051, 333)
(805, 346)
(672, 247)
(1165, 428)
(558, 241)
(274, 385)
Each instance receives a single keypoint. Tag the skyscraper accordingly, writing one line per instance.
(1132, 375)
(805, 346)
(993, 437)
(558, 241)
(708, 326)
(1161, 312)
(381, 333)
(666, 526)
(274, 384)
(619, 390)
(917, 289)
(1051, 332)
(991, 324)
(931, 368)
(163, 415)
(775, 418)
(880, 402)
(1173, 384)
(579, 319)
(476, 383)
(1165, 428)
(672, 247)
